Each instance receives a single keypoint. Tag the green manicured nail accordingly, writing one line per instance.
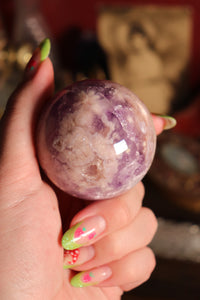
(45, 47)
(83, 279)
(69, 240)
(83, 233)
(39, 55)
(169, 121)
(92, 277)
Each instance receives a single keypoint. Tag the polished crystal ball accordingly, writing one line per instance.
(95, 140)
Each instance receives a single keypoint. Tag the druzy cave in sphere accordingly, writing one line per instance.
(95, 140)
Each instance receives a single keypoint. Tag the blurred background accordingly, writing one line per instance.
(153, 48)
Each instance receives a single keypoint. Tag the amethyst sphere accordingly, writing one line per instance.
(96, 140)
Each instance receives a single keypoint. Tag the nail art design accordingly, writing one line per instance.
(93, 277)
(39, 55)
(80, 232)
(71, 256)
(169, 121)
(83, 233)
(77, 257)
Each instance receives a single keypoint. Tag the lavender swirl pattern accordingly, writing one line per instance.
(96, 140)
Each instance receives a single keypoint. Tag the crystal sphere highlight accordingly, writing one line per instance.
(95, 140)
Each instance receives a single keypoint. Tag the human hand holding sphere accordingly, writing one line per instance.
(35, 213)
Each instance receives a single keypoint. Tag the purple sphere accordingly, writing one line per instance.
(96, 140)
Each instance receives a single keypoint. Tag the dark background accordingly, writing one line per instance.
(172, 278)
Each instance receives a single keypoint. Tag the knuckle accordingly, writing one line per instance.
(128, 205)
(151, 220)
(117, 248)
(124, 214)
(150, 262)
(141, 189)
(144, 265)
(112, 247)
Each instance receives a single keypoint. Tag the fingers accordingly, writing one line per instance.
(113, 247)
(107, 242)
(132, 270)
(102, 218)
(128, 272)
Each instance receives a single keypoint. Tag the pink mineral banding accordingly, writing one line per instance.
(96, 140)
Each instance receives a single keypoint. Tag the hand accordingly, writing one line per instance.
(33, 213)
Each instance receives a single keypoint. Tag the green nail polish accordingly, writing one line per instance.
(170, 122)
(39, 55)
(83, 233)
(92, 277)
(69, 238)
(45, 47)
(83, 280)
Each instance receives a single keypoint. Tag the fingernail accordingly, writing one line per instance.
(39, 55)
(92, 277)
(83, 233)
(78, 257)
(169, 122)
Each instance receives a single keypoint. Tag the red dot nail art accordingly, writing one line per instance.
(71, 256)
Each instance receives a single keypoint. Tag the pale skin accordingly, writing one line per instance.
(33, 214)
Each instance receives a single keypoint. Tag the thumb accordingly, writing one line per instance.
(19, 121)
